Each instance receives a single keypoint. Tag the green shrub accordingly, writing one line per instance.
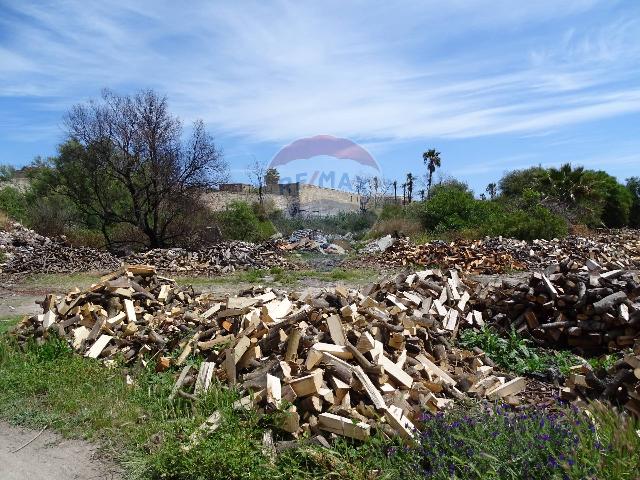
(633, 186)
(450, 209)
(517, 354)
(13, 203)
(356, 223)
(500, 443)
(240, 222)
(535, 222)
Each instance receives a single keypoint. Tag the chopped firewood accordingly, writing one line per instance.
(307, 385)
(100, 344)
(514, 386)
(343, 426)
(180, 381)
(205, 374)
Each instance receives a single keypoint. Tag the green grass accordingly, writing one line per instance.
(517, 354)
(60, 281)
(280, 276)
(138, 426)
(6, 323)
(495, 443)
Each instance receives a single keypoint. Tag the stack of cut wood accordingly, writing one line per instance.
(611, 249)
(473, 257)
(340, 361)
(308, 240)
(25, 251)
(224, 257)
(569, 305)
(132, 311)
(619, 384)
(614, 249)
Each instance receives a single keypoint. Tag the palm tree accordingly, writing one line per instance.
(409, 187)
(395, 191)
(432, 160)
(568, 185)
(492, 189)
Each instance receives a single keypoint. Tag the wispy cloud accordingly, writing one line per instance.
(371, 71)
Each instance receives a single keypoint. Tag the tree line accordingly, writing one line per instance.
(128, 174)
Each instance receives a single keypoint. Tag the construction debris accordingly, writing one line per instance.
(337, 361)
(309, 240)
(26, 251)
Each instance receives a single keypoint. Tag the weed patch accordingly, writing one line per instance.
(517, 354)
(502, 444)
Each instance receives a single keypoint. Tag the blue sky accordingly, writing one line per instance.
(494, 85)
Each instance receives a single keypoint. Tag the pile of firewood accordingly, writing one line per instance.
(611, 249)
(26, 251)
(468, 256)
(619, 384)
(493, 255)
(587, 309)
(224, 257)
(340, 361)
(582, 307)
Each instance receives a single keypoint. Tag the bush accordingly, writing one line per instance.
(240, 222)
(13, 202)
(356, 223)
(454, 213)
(52, 216)
(633, 186)
(450, 209)
(536, 222)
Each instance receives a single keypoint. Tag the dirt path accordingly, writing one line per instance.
(49, 457)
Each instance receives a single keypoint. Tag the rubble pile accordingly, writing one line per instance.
(308, 240)
(334, 361)
(26, 251)
(224, 257)
(568, 304)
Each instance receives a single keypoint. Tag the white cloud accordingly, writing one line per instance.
(276, 71)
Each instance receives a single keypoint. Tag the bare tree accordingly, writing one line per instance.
(362, 186)
(257, 173)
(125, 162)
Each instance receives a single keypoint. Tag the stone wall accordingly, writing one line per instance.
(219, 200)
(291, 198)
(318, 201)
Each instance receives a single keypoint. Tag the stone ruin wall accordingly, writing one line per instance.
(304, 199)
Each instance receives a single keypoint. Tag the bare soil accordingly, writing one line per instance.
(50, 457)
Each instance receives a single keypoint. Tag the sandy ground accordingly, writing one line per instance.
(49, 457)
